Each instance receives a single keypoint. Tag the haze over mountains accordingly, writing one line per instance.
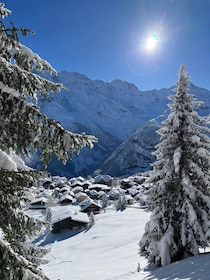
(121, 116)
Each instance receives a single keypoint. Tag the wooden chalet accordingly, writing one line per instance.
(69, 220)
(89, 205)
(66, 199)
(39, 203)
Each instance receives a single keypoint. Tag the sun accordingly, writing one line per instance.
(151, 42)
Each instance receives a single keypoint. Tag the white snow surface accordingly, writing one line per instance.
(6, 162)
(12, 162)
(109, 251)
(19, 162)
(66, 212)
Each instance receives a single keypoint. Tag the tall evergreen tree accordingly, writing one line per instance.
(22, 128)
(179, 198)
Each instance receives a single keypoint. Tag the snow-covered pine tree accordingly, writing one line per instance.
(22, 128)
(92, 219)
(179, 199)
(104, 201)
(121, 203)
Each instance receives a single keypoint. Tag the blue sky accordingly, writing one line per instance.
(105, 39)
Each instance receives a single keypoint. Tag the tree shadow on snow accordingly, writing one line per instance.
(48, 237)
(192, 268)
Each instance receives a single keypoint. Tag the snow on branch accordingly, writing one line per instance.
(11, 162)
(18, 264)
(176, 158)
(29, 60)
(4, 11)
(165, 244)
(6, 162)
(36, 130)
(25, 82)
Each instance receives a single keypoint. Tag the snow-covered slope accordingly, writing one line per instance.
(109, 251)
(110, 111)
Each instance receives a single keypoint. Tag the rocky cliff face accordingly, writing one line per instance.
(135, 153)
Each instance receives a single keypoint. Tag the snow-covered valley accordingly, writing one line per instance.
(107, 250)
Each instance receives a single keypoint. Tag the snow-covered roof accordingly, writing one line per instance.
(45, 194)
(65, 189)
(113, 191)
(80, 194)
(75, 180)
(87, 202)
(99, 186)
(102, 178)
(39, 199)
(66, 196)
(93, 192)
(74, 215)
(133, 190)
(77, 189)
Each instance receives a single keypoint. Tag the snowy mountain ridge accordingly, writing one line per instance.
(110, 111)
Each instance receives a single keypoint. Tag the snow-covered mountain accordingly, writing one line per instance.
(135, 153)
(112, 112)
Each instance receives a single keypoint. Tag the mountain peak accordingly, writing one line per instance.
(110, 111)
(125, 84)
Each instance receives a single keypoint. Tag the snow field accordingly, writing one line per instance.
(108, 250)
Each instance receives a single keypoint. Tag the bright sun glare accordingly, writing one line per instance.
(151, 42)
